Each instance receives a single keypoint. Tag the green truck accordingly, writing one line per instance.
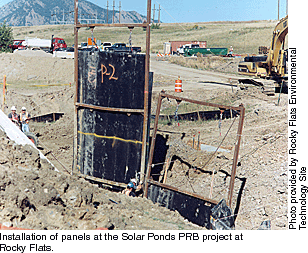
(206, 51)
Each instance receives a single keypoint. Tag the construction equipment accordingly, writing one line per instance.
(273, 66)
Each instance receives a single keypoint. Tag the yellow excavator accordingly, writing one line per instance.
(273, 67)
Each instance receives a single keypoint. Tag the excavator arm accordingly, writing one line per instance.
(276, 50)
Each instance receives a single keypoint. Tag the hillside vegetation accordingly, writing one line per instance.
(245, 37)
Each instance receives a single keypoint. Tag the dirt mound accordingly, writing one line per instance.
(35, 196)
(35, 67)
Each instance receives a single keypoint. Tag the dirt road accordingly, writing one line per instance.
(193, 79)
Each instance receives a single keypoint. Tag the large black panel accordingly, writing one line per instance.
(109, 143)
(190, 207)
(112, 79)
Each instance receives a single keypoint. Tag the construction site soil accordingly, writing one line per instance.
(34, 196)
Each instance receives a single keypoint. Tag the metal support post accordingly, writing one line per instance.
(152, 145)
(236, 153)
(75, 79)
(146, 93)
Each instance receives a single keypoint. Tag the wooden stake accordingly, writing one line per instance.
(212, 185)
(4, 91)
(166, 170)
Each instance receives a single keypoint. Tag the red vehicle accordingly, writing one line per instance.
(17, 44)
(58, 43)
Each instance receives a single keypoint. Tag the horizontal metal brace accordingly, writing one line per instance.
(236, 108)
(211, 201)
(101, 180)
(112, 109)
(144, 25)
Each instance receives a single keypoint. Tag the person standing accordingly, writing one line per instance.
(13, 116)
(24, 119)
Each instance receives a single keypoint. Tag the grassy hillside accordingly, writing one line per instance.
(245, 37)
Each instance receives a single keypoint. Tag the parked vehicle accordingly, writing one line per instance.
(106, 45)
(17, 44)
(83, 45)
(121, 47)
(64, 53)
(45, 44)
(177, 44)
(181, 50)
(206, 51)
(58, 43)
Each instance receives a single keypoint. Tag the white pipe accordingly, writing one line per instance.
(15, 134)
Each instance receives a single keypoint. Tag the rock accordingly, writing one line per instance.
(30, 77)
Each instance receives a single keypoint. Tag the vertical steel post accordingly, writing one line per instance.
(152, 146)
(75, 79)
(146, 93)
(236, 153)
(76, 50)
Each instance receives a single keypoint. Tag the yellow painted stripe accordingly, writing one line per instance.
(111, 137)
(43, 85)
(46, 85)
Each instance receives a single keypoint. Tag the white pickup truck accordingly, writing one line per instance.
(181, 50)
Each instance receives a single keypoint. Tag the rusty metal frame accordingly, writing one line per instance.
(111, 109)
(241, 111)
(144, 111)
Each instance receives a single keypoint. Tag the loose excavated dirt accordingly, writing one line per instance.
(34, 196)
